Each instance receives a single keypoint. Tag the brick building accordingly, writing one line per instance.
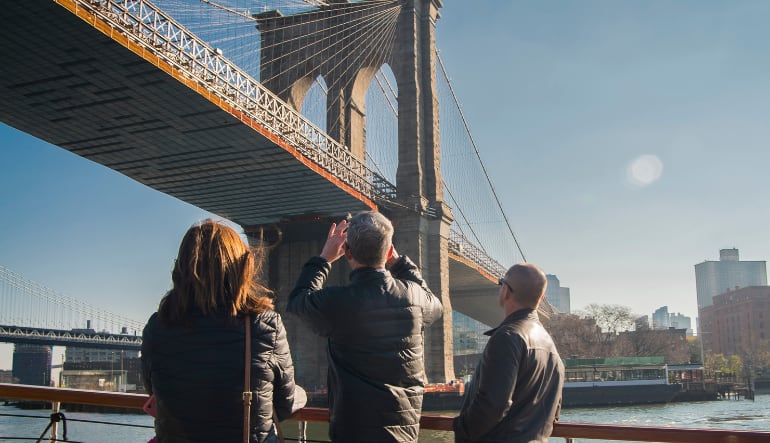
(738, 322)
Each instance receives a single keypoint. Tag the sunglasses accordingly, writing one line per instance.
(501, 281)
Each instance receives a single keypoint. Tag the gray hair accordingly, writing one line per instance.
(369, 237)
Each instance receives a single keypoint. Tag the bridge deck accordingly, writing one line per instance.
(65, 82)
(472, 292)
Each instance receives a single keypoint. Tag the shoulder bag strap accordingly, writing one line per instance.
(247, 390)
(247, 383)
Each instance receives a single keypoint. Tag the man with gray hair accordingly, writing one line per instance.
(375, 330)
(515, 393)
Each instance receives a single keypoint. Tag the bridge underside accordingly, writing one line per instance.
(66, 83)
(473, 292)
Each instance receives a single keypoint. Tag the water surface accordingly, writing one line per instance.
(723, 414)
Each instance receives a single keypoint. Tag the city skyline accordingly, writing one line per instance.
(626, 141)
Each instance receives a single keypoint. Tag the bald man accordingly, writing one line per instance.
(515, 394)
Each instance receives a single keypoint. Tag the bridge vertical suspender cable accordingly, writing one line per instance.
(476, 151)
(29, 301)
(371, 31)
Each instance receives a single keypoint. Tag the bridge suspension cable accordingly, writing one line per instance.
(391, 96)
(366, 33)
(24, 302)
(370, 29)
(478, 156)
(372, 33)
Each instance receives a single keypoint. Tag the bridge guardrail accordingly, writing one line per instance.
(151, 28)
(568, 431)
(463, 247)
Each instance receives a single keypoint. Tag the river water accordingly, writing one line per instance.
(722, 414)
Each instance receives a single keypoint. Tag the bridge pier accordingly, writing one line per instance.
(291, 244)
(420, 237)
(421, 217)
(422, 224)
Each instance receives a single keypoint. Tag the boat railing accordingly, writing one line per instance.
(569, 431)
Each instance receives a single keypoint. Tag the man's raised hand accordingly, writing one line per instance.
(334, 247)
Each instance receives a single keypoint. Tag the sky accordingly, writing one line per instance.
(626, 139)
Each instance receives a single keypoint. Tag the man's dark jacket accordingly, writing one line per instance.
(515, 394)
(375, 347)
(196, 375)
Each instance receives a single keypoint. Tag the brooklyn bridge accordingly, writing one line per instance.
(278, 119)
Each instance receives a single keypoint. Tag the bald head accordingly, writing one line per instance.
(528, 283)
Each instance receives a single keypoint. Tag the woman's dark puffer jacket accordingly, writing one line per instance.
(196, 375)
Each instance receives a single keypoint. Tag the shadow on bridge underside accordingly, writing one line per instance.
(473, 291)
(69, 84)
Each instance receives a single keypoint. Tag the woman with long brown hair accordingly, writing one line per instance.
(193, 347)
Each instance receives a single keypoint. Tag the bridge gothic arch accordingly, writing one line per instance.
(314, 99)
(299, 91)
(346, 44)
(381, 129)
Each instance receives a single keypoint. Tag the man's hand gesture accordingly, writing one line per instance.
(334, 247)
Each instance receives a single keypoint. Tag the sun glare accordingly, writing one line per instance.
(644, 170)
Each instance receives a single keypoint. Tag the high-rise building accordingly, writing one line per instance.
(468, 334)
(660, 319)
(557, 295)
(680, 321)
(32, 364)
(717, 277)
(469, 342)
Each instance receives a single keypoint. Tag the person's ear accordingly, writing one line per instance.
(346, 250)
(390, 253)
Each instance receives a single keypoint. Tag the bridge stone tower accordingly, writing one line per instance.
(346, 44)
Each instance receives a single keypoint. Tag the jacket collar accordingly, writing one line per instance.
(518, 315)
(367, 273)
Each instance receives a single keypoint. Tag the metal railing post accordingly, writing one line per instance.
(302, 432)
(55, 423)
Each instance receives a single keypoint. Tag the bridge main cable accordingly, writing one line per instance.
(476, 151)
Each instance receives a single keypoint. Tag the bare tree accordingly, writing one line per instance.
(611, 319)
(573, 335)
(605, 331)
(644, 342)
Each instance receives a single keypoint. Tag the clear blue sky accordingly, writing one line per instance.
(563, 97)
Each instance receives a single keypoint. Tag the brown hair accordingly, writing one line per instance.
(214, 270)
